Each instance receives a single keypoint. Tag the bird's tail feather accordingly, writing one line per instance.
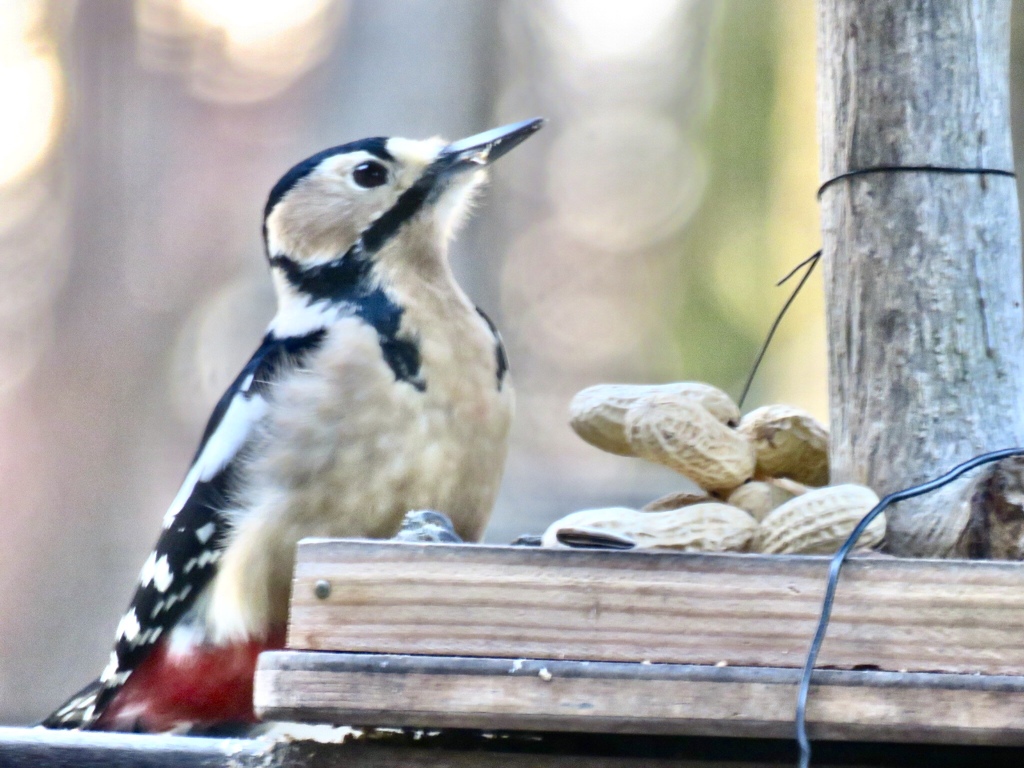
(80, 711)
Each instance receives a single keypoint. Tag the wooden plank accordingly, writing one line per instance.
(745, 610)
(610, 697)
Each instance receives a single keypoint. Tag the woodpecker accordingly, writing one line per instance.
(379, 388)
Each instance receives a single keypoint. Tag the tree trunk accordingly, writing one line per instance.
(922, 269)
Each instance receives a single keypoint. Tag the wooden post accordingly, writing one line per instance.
(922, 269)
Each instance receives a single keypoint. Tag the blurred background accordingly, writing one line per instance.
(637, 238)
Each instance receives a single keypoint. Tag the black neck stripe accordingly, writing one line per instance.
(348, 280)
(344, 279)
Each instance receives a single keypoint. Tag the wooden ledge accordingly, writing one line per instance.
(667, 699)
(890, 614)
(515, 639)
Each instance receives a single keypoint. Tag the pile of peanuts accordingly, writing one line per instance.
(762, 478)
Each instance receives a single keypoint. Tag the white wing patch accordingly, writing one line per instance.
(112, 673)
(156, 571)
(128, 628)
(166, 605)
(148, 568)
(183, 493)
(162, 577)
(205, 532)
(203, 559)
(232, 432)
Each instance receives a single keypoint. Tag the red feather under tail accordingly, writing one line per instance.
(205, 686)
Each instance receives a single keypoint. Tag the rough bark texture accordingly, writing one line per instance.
(923, 270)
(995, 522)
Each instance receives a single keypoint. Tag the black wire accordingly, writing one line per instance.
(913, 169)
(813, 261)
(836, 565)
(813, 257)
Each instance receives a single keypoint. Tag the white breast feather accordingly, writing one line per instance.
(381, 448)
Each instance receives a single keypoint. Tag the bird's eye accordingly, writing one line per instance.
(370, 174)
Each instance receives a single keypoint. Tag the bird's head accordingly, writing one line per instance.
(335, 214)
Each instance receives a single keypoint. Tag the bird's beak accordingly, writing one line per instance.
(484, 148)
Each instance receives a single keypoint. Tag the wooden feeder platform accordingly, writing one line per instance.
(479, 656)
(506, 639)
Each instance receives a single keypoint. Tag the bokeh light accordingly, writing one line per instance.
(253, 25)
(237, 50)
(625, 179)
(32, 261)
(611, 30)
(30, 87)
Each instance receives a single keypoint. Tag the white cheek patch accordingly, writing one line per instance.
(273, 229)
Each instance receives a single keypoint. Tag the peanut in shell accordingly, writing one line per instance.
(759, 497)
(677, 500)
(680, 434)
(707, 527)
(818, 522)
(789, 442)
(598, 413)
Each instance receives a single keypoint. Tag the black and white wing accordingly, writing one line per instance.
(184, 560)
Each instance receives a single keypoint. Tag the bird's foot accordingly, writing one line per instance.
(427, 526)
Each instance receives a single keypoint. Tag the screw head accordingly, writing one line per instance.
(322, 589)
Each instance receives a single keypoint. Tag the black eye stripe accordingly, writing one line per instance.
(370, 174)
